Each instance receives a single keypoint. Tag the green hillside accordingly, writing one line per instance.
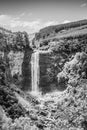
(63, 30)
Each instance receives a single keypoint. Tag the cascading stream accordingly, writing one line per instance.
(35, 71)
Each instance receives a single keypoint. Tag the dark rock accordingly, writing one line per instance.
(43, 113)
(49, 68)
(26, 69)
(40, 125)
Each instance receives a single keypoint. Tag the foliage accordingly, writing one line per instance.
(13, 41)
(26, 113)
(74, 70)
(9, 102)
(70, 45)
(73, 108)
(23, 123)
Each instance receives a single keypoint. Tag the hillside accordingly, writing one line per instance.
(72, 29)
(61, 65)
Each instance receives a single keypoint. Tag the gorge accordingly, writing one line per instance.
(53, 63)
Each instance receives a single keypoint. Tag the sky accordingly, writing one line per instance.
(32, 15)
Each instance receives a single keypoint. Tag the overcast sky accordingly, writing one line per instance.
(31, 15)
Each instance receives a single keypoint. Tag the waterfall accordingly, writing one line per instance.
(35, 71)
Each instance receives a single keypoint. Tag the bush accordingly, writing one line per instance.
(74, 70)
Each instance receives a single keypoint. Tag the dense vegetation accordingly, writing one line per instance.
(66, 110)
(70, 45)
(13, 41)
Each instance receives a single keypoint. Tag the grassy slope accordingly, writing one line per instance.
(74, 32)
(73, 29)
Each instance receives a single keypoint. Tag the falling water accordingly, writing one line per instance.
(35, 71)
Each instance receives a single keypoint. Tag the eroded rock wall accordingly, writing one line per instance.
(26, 69)
(15, 52)
(15, 61)
(50, 65)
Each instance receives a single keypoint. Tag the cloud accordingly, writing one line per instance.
(66, 21)
(25, 14)
(30, 14)
(18, 24)
(49, 23)
(4, 19)
(83, 5)
(21, 15)
(28, 26)
(15, 22)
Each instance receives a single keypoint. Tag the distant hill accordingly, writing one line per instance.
(5, 31)
(62, 30)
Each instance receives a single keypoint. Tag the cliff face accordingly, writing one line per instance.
(15, 50)
(50, 65)
(26, 69)
(15, 61)
(63, 65)
(63, 45)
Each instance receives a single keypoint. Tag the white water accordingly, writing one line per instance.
(35, 72)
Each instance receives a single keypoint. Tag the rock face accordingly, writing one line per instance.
(15, 50)
(26, 69)
(46, 74)
(15, 61)
(50, 65)
(20, 67)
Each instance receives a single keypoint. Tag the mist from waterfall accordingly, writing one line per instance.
(35, 71)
